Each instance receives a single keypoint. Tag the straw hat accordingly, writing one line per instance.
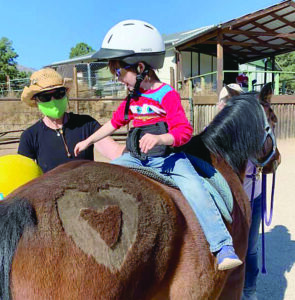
(41, 81)
(224, 92)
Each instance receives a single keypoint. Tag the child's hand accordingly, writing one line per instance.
(148, 142)
(81, 146)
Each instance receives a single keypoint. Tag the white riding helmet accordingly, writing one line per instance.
(133, 41)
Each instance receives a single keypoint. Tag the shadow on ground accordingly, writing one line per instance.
(280, 257)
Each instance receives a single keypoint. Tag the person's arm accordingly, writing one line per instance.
(109, 148)
(180, 131)
(26, 147)
(104, 131)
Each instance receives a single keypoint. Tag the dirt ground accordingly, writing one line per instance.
(280, 236)
(278, 283)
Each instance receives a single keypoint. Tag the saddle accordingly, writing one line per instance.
(212, 179)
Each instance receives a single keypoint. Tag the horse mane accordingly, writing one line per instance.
(15, 216)
(236, 133)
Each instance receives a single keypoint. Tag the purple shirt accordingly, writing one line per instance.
(248, 182)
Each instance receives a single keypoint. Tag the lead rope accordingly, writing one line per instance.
(264, 218)
(264, 214)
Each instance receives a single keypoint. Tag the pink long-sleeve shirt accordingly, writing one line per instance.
(159, 105)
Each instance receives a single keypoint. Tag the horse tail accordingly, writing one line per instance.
(15, 216)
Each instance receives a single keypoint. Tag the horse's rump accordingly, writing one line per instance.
(103, 231)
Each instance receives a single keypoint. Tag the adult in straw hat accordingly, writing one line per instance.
(232, 89)
(51, 140)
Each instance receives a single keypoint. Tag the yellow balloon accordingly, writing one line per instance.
(15, 171)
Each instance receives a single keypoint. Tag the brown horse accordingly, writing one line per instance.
(89, 230)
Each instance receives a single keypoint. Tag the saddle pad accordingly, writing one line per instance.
(213, 181)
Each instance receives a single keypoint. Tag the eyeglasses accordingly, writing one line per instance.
(118, 71)
(56, 94)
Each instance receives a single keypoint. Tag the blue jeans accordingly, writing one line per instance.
(252, 269)
(178, 167)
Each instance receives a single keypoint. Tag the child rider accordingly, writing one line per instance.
(134, 50)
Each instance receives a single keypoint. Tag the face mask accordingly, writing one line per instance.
(54, 108)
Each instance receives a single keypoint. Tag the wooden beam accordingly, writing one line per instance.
(267, 29)
(243, 44)
(255, 16)
(197, 40)
(283, 99)
(282, 19)
(219, 62)
(258, 33)
(205, 100)
(269, 21)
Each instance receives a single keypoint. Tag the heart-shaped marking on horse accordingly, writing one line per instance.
(103, 224)
(107, 223)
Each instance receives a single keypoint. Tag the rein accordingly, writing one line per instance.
(255, 176)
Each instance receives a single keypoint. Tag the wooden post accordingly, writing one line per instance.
(277, 84)
(265, 69)
(190, 88)
(177, 69)
(75, 81)
(283, 87)
(172, 77)
(272, 68)
(191, 103)
(76, 88)
(8, 83)
(219, 62)
(203, 86)
(181, 69)
(250, 78)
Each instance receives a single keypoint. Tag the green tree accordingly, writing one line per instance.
(80, 49)
(287, 63)
(7, 59)
(23, 74)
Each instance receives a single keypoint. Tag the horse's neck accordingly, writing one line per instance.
(197, 148)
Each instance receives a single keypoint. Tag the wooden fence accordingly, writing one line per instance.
(285, 112)
(16, 116)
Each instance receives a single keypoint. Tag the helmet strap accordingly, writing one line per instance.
(135, 92)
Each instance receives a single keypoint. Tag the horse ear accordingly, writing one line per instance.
(266, 92)
(232, 92)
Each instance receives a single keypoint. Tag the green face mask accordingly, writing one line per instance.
(54, 108)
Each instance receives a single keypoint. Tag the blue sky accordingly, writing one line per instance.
(43, 32)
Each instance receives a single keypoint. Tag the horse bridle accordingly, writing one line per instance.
(268, 132)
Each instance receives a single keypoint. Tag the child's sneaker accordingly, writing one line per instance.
(227, 258)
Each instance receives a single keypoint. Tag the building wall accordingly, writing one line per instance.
(190, 65)
(164, 73)
(259, 76)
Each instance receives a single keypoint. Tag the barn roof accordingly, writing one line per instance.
(263, 33)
